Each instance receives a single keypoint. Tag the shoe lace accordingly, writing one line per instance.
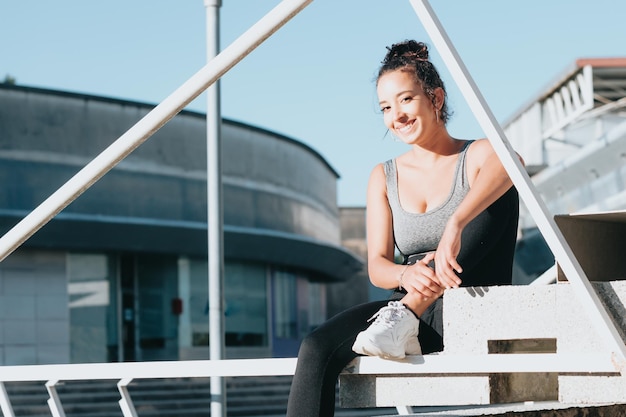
(389, 315)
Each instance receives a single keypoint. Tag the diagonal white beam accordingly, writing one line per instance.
(5, 402)
(149, 124)
(545, 222)
(54, 402)
(126, 402)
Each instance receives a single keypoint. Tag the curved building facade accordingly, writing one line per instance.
(121, 273)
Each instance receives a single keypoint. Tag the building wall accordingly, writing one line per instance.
(120, 273)
(357, 289)
(34, 313)
(279, 195)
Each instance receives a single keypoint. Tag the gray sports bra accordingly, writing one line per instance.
(421, 232)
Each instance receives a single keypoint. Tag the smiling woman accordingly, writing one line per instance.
(446, 205)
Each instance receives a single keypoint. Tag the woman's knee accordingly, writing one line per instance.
(315, 347)
(332, 340)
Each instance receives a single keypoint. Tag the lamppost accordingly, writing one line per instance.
(215, 213)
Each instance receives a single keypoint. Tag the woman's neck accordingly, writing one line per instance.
(439, 145)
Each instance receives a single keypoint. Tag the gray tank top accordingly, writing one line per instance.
(421, 232)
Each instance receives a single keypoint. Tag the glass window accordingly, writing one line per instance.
(199, 302)
(245, 304)
(245, 312)
(157, 322)
(93, 307)
(317, 305)
(285, 305)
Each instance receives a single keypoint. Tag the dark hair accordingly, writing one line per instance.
(413, 56)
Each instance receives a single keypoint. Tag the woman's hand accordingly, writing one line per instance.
(420, 279)
(446, 266)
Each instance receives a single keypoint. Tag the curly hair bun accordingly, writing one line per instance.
(406, 51)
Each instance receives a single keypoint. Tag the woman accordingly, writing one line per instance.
(449, 208)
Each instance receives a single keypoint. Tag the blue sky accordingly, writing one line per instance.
(313, 79)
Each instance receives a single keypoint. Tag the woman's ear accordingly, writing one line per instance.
(439, 98)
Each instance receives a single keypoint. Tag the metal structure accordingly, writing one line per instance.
(173, 104)
(126, 372)
(215, 216)
(573, 135)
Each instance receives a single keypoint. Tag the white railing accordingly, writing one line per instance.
(545, 119)
(126, 372)
(564, 106)
(426, 365)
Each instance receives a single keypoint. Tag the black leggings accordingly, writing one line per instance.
(323, 355)
(487, 247)
(328, 349)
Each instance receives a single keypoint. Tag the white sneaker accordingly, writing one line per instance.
(392, 335)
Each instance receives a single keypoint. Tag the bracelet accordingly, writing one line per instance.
(401, 276)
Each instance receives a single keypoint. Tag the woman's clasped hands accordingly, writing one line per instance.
(427, 282)
(420, 279)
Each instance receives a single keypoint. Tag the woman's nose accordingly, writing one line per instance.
(398, 114)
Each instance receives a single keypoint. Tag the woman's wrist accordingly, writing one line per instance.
(455, 223)
(401, 276)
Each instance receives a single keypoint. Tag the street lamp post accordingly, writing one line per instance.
(215, 214)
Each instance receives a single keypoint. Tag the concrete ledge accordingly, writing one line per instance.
(592, 389)
(392, 391)
(474, 316)
(487, 323)
(455, 364)
(473, 379)
(542, 409)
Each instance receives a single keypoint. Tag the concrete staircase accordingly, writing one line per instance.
(478, 322)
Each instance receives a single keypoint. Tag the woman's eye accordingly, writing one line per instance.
(384, 109)
(407, 99)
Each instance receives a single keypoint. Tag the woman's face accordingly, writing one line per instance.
(407, 111)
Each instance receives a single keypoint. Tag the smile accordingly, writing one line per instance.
(405, 128)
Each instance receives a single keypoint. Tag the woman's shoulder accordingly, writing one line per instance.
(384, 168)
(382, 173)
(390, 166)
(479, 145)
(377, 184)
(379, 171)
(479, 149)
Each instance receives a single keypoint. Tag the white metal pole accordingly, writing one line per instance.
(215, 213)
(149, 124)
(550, 231)
(5, 402)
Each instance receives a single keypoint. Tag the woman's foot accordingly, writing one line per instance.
(392, 335)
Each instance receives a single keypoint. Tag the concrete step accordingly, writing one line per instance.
(532, 409)
(505, 320)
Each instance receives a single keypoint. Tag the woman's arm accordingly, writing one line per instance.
(488, 182)
(383, 271)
